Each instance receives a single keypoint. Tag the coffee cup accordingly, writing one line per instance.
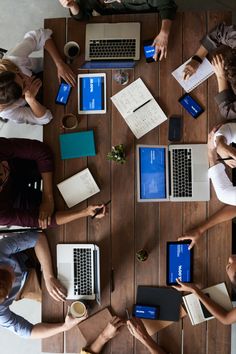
(78, 309)
(69, 121)
(71, 49)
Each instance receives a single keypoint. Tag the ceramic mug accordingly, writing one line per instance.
(71, 49)
(69, 121)
(78, 309)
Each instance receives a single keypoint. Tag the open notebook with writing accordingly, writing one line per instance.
(204, 71)
(138, 108)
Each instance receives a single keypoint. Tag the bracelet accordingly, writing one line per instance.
(197, 58)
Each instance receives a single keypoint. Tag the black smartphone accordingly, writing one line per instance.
(63, 93)
(191, 105)
(149, 51)
(206, 313)
(175, 128)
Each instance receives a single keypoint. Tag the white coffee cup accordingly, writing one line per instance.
(78, 309)
(71, 49)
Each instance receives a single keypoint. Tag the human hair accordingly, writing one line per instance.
(8, 65)
(230, 67)
(5, 283)
(10, 91)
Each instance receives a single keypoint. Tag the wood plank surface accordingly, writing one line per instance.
(130, 225)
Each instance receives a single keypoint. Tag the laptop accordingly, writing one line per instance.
(172, 173)
(112, 45)
(78, 269)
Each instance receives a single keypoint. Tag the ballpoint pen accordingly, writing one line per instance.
(225, 158)
(98, 211)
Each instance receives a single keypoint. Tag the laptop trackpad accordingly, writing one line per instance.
(200, 173)
(64, 271)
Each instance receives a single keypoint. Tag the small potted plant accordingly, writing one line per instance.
(117, 154)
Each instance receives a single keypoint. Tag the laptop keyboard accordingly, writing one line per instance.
(82, 272)
(182, 172)
(112, 48)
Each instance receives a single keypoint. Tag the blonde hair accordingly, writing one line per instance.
(8, 65)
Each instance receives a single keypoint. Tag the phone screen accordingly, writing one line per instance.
(63, 93)
(191, 105)
(149, 51)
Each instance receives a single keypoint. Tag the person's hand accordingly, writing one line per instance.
(65, 72)
(45, 212)
(188, 287)
(219, 66)
(54, 287)
(32, 86)
(70, 321)
(190, 69)
(225, 151)
(161, 44)
(137, 329)
(92, 209)
(67, 3)
(194, 235)
(212, 154)
(112, 328)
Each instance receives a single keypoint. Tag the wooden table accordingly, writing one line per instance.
(131, 226)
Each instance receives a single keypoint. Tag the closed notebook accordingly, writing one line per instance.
(79, 144)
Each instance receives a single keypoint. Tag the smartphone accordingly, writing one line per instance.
(149, 312)
(149, 51)
(175, 128)
(191, 105)
(63, 93)
(206, 313)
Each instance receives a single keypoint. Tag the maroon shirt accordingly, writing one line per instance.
(13, 151)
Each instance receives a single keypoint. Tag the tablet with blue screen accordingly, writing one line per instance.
(92, 93)
(179, 262)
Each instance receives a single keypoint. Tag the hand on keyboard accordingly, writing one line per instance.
(55, 289)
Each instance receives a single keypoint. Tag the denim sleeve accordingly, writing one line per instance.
(15, 323)
(18, 242)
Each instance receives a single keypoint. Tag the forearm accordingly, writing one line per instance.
(52, 50)
(222, 84)
(166, 26)
(228, 212)
(64, 217)
(97, 345)
(74, 9)
(45, 330)
(47, 186)
(201, 52)
(44, 256)
(37, 108)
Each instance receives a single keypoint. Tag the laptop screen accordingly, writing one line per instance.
(92, 93)
(152, 172)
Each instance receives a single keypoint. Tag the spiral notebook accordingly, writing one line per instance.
(204, 71)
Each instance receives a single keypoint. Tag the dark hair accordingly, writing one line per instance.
(230, 67)
(10, 91)
(5, 283)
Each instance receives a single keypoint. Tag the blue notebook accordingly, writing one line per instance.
(78, 144)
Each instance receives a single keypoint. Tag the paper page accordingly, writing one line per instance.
(131, 97)
(204, 71)
(145, 118)
(78, 188)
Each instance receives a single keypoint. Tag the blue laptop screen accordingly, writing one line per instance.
(179, 259)
(152, 162)
(92, 93)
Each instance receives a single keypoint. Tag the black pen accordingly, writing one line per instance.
(100, 210)
(141, 105)
(225, 158)
(127, 314)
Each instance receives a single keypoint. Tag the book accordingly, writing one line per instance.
(138, 108)
(79, 144)
(78, 188)
(204, 71)
(197, 311)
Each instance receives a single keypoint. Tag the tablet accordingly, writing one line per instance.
(179, 262)
(92, 93)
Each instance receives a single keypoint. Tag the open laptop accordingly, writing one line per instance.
(172, 173)
(78, 268)
(112, 45)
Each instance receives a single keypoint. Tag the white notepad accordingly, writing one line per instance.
(78, 188)
(217, 293)
(204, 71)
(139, 108)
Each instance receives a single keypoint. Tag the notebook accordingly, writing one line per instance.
(197, 311)
(78, 188)
(172, 173)
(204, 71)
(79, 144)
(138, 108)
(78, 269)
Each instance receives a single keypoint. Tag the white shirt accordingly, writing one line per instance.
(224, 188)
(33, 41)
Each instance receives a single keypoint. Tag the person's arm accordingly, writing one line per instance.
(54, 287)
(221, 34)
(161, 40)
(137, 329)
(66, 216)
(63, 70)
(47, 205)
(71, 5)
(195, 62)
(225, 317)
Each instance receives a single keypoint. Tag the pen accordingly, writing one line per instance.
(225, 158)
(112, 280)
(99, 210)
(142, 105)
(127, 314)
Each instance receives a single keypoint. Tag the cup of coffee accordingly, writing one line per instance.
(78, 309)
(71, 49)
(69, 121)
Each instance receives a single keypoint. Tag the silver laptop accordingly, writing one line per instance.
(78, 268)
(176, 173)
(112, 41)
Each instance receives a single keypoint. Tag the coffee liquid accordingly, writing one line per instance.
(78, 308)
(69, 122)
(73, 51)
